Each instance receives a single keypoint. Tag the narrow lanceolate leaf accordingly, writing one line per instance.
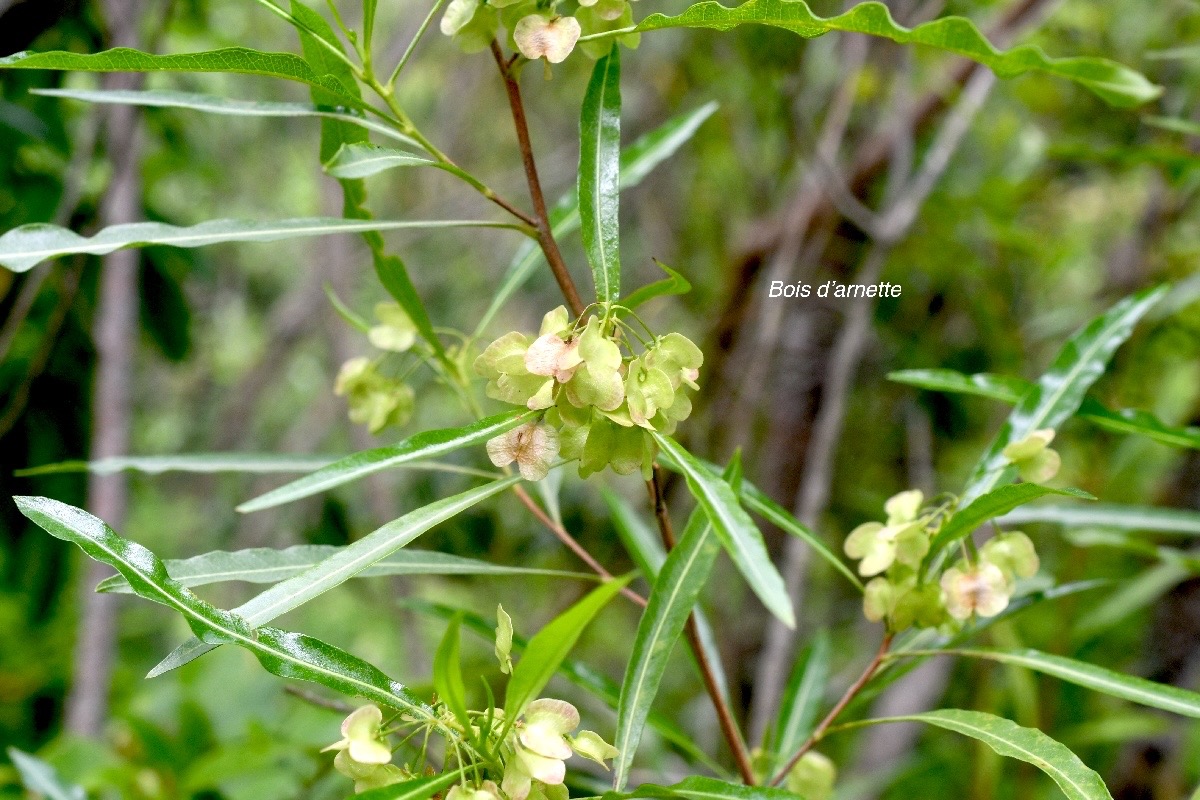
(699, 787)
(995, 387)
(289, 655)
(1114, 83)
(347, 562)
(447, 674)
(362, 160)
(1030, 745)
(757, 501)
(674, 283)
(251, 463)
(267, 565)
(416, 789)
(578, 673)
(23, 248)
(600, 174)
(1010, 390)
(994, 504)
(212, 104)
(1109, 515)
(231, 59)
(422, 446)
(546, 650)
(672, 599)
(733, 526)
(802, 698)
(1059, 391)
(1099, 679)
(41, 779)
(1130, 597)
(637, 161)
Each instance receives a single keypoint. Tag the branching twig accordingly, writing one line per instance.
(541, 216)
(319, 701)
(572, 543)
(729, 727)
(833, 714)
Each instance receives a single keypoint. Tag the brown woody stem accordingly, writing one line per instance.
(729, 727)
(545, 236)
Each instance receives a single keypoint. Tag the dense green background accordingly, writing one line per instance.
(1055, 206)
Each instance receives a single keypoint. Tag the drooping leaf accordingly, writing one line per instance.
(600, 174)
(420, 447)
(231, 59)
(447, 674)
(1106, 681)
(1030, 745)
(672, 598)
(1130, 597)
(547, 649)
(637, 161)
(212, 104)
(733, 526)
(674, 283)
(1010, 390)
(344, 564)
(698, 787)
(802, 698)
(1109, 515)
(1060, 390)
(994, 504)
(250, 463)
(1114, 83)
(416, 789)
(288, 655)
(267, 565)
(23, 248)
(42, 779)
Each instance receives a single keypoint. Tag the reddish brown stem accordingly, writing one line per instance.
(572, 544)
(729, 727)
(837, 709)
(545, 235)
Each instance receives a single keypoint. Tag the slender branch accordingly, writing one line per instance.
(545, 235)
(837, 709)
(729, 727)
(317, 700)
(572, 543)
(412, 45)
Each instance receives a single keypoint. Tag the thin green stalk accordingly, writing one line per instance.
(412, 46)
(333, 49)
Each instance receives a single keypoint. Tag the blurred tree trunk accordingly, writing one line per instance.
(115, 333)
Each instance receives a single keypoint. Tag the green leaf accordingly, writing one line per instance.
(1010, 390)
(422, 446)
(1117, 85)
(1106, 681)
(996, 387)
(416, 789)
(698, 787)
(347, 562)
(546, 650)
(250, 463)
(42, 779)
(991, 505)
(447, 674)
(231, 59)
(740, 538)
(211, 104)
(578, 673)
(1059, 391)
(1109, 515)
(267, 565)
(672, 598)
(344, 311)
(600, 174)
(1030, 745)
(637, 161)
(288, 655)
(23, 248)
(674, 283)
(802, 698)
(757, 501)
(361, 160)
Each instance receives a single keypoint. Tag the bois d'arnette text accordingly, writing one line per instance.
(834, 289)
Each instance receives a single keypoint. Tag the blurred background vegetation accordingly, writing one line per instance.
(1052, 206)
